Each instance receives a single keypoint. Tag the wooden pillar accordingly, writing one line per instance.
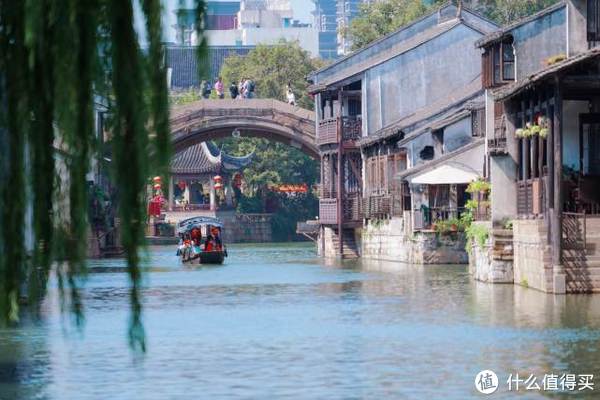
(171, 190)
(213, 196)
(550, 160)
(559, 282)
(340, 182)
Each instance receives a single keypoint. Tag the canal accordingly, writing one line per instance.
(275, 322)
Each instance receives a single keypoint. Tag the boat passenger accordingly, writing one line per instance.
(216, 234)
(209, 244)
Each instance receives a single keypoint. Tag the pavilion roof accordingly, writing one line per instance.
(206, 158)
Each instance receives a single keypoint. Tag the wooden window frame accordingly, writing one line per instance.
(593, 20)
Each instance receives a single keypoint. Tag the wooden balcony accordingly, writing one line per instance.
(327, 132)
(328, 211)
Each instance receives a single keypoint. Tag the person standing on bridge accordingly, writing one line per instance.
(291, 98)
(233, 90)
(242, 93)
(219, 88)
(249, 87)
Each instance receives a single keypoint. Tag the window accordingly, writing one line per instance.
(427, 153)
(496, 55)
(499, 63)
(508, 61)
(593, 20)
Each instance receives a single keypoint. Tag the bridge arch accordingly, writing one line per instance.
(205, 120)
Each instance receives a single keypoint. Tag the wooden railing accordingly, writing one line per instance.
(328, 211)
(427, 217)
(353, 207)
(574, 227)
(351, 127)
(327, 131)
(383, 206)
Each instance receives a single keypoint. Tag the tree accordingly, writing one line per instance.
(507, 11)
(377, 19)
(380, 18)
(56, 56)
(272, 68)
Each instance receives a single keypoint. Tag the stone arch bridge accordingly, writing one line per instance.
(272, 119)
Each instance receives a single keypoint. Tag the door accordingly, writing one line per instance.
(589, 131)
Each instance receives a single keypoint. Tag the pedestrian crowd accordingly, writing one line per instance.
(244, 89)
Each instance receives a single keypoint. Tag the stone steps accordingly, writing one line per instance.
(349, 247)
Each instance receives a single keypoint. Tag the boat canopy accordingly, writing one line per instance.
(188, 224)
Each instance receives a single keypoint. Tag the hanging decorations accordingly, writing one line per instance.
(237, 180)
(218, 186)
(290, 188)
(539, 128)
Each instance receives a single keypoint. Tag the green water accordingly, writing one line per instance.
(275, 322)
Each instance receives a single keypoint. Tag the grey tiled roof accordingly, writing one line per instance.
(206, 158)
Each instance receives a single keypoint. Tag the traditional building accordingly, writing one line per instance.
(389, 116)
(543, 149)
(192, 184)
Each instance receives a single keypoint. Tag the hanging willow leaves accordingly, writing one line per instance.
(56, 58)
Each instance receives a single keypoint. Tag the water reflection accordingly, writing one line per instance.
(275, 322)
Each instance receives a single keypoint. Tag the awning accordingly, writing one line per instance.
(446, 174)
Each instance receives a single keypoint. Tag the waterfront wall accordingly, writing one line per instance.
(532, 257)
(387, 240)
(492, 263)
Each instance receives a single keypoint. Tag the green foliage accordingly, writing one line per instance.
(379, 18)
(291, 210)
(55, 56)
(478, 233)
(479, 185)
(273, 163)
(507, 11)
(272, 68)
(250, 204)
(450, 225)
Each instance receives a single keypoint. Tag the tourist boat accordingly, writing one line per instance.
(200, 241)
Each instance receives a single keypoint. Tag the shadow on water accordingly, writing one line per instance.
(25, 365)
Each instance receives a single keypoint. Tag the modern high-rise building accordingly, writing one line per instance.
(331, 17)
(230, 27)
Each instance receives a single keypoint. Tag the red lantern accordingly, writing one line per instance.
(157, 186)
(181, 185)
(217, 178)
(218, 186)
(156, 179)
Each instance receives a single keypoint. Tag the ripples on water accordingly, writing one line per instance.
(275, 322)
